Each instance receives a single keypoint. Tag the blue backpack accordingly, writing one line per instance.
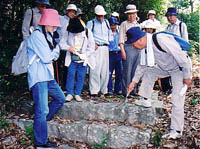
(183, 43)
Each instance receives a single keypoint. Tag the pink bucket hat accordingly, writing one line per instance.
(49, 17)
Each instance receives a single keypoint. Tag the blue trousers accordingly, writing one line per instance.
(115, 63)
(44, 111)
(79, 71)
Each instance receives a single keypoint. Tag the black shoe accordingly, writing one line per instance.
(94, 95)
(109, 94)
(118, 93)
(47, 145)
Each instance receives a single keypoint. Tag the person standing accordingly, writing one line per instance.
(172, 61)
(149, 27)
(175, 25)
(70, 13)
(64, 20)
(80, 46)
(152, 18)
(179, 28)
(130, 55)
(32, 17)
(99, 76)
(115, 59)
(41, 52)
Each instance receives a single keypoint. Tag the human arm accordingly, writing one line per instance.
(123, 53)
(39, 45)
(122, 40)
(63, 43)
(139, 72)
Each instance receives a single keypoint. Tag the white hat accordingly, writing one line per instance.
(99, 10)
(149, 24)
(151, 12)
(72, 7)
(115, 14)
(131, 8)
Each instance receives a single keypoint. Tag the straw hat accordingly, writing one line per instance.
(131, 8)
(151, 12)
(115, 14)
(149, 24)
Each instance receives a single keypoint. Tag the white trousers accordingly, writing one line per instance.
(148, 80)
(99, 76)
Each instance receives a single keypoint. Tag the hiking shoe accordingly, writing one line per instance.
(94, 96)
(173, 134)
(78, 98)
(146, 102)
(47, 145)
(69, 97)
(109, 94)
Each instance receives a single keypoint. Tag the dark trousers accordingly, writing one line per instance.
(115, 64)
(166, 84)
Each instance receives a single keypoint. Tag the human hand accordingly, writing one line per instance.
(96, 46)
(82, 56)
(188, 82)
(123, 54)
(71, 50)
(131, 87)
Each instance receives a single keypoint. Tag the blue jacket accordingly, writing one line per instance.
(38, 70)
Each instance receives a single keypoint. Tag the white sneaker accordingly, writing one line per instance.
(78, 98)
(173, 134)
(143, 102)
(69, 97)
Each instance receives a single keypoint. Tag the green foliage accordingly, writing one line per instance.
(29, 132)
(4, 124)
(23, 142)
(181, 4)
(157, 138)
(102, 145)
(194, 101)
(192, 21)
(194, 50)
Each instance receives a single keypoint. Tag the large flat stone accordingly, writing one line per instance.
(117, 136)
(109, 112)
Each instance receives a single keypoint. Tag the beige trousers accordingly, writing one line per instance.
(99, 76)
(148, 80)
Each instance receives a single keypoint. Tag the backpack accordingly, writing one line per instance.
(183, 43)
(93, 23)
(19, 61)
(180, 29)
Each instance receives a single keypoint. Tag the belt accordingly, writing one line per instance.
(114, 52)
(104, 44)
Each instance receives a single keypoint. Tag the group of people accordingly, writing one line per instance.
(103, 46)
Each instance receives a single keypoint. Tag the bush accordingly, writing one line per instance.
(192, 21)
(194, 50)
